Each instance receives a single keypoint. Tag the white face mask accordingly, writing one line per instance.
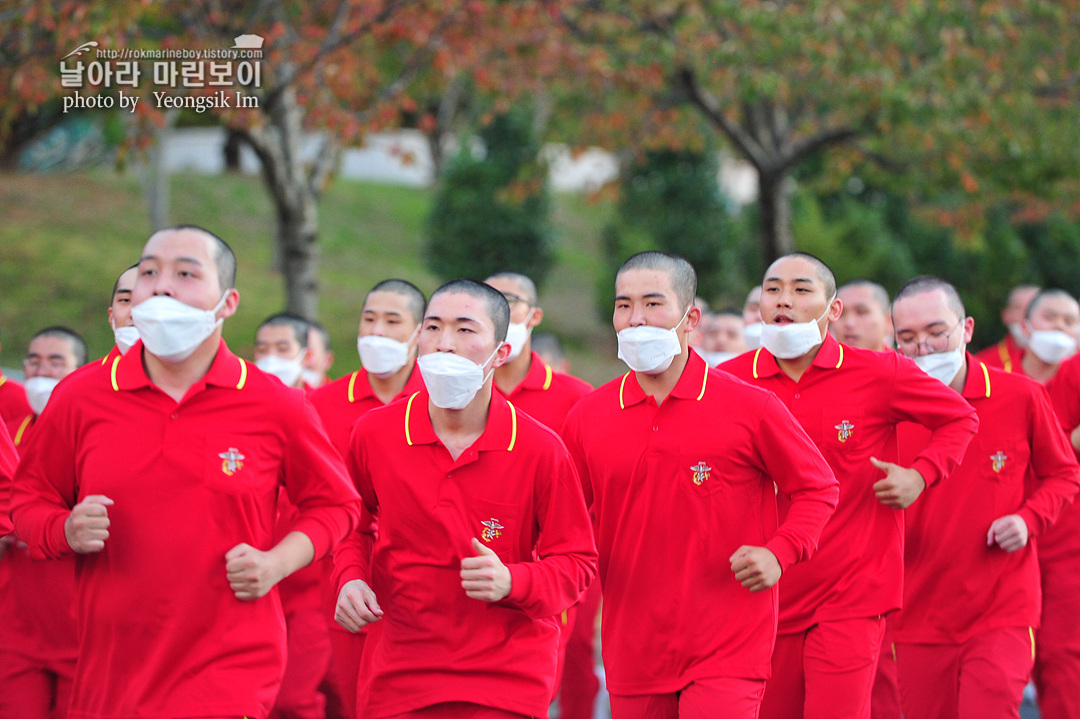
(714, 359)
(752, 334)
(126, 337)
(311, 377)
(382, 355)
(286, 370)
(942, 366)
(1016, 329)
(452, 380)
(517, 333)
(172, 330)
(650, 350)
(38, 391)
(794, 340)
(1051, 346)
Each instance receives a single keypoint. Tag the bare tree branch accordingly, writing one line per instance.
(290, 74)
(324, 164)
(808, 146)
(708, 105)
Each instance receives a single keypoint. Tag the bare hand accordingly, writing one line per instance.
(87, 527)
(901, 486)
(251, 572)
(1009, 532)
(756, 568)
(356, 606)
(484, 576)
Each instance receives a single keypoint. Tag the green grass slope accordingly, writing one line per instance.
(64, 238)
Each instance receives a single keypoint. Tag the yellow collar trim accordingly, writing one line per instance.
(243, 375)
(622, 405)
(513, 428)
(352, 383)
(408, 412)
(22, 428)
(112, 373)
(755, 361)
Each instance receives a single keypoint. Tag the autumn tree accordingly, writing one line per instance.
(936, 94)
(330, 71)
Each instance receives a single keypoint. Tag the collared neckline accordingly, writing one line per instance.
(691, 384)
(538, 376)
(113, 354)
(360, 388)
(830, 355)
(499, 434)
(977, 384)
(227, 370)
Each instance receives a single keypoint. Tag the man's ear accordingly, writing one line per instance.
(969, 329)
(835, 310)
(232, 302)
(693, 319)
(501, 355)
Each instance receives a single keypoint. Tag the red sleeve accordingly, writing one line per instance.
(570, 437)
(317, 483)
(9, 460)
(800, 472)
(566, 552)
(44, 488)
(918, 397)
(1054, 464)
(352, 555)
(1064, 391)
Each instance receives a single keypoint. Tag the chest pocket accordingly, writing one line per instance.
(840, 429)
(498, 525)
(1000, 460)
(703, 474)
(239, 464)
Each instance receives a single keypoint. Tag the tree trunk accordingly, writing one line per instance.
(294, 193)
(774, 203)
(156, 177)
(231, 151)
(298, 230)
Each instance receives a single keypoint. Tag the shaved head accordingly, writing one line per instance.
(823, 271)
(682, 275)
(929, 283)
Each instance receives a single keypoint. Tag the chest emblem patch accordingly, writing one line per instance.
(844, 430)
(231, 461)
(998, 461)
(491, 530)
(701, 473)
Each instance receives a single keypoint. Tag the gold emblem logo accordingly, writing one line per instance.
(844, 430)
(491, 530)
(701, 473)
(231, 461)
(998, 461)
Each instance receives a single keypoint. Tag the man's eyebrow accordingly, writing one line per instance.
(935, 323)
(649, 295)
(185, 258)
(810, 280)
